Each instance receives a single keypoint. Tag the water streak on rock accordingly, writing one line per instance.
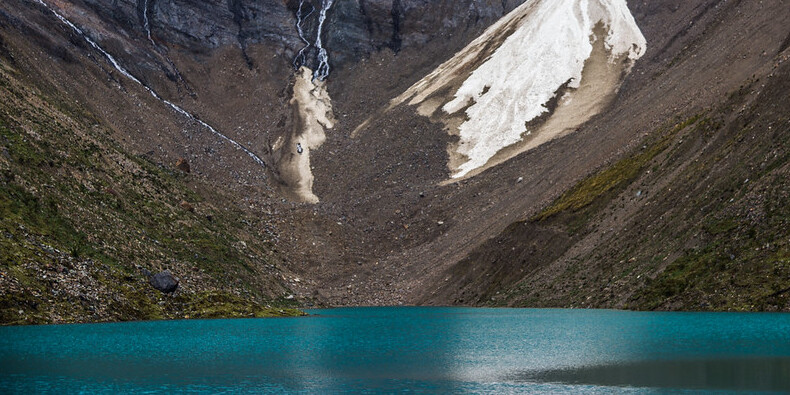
(146, 23)
(322, 71)
(300, 57)
(153, 93)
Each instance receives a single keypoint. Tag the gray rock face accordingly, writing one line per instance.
(360, 27)
(354, 28)
(208, 24)
(398, 23)
(164, 282)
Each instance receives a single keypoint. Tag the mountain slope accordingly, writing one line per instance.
(82, 220)
(215, 83)
(693, 218)
(688, 68)
(149, 83)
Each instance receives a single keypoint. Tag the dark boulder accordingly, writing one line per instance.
(164, 282)
(183, 165)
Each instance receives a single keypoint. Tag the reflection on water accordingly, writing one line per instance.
(373, 347)
(744, 374)
(434, 350)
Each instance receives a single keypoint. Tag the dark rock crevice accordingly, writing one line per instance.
(366, 17)
(397, 12)
(141, 11)
(239, 18)
(785, 44)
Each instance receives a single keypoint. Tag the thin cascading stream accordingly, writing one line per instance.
(146, 24)
(159, 49)
(153, 93)
(299, 60)
(322, 55)
(322, 71)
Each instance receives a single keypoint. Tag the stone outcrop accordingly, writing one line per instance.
(163, 281)
(183, 165)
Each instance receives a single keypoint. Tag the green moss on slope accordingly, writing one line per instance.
(80, 219)
(614, 177)
(697, 219)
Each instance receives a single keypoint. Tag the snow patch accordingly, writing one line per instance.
(550, 43)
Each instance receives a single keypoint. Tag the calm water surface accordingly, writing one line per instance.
(444, 350)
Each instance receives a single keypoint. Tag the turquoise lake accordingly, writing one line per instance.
(407, 349)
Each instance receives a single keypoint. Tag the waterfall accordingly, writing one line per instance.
(153, 93)
(299, 60)
(322, 55)
(312, 109)
(159, 49)
(322, 71)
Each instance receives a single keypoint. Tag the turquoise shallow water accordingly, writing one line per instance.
(400, 349)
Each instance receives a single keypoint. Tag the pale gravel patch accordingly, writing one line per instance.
(313, 114)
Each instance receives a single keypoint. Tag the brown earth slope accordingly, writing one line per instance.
(82, 220)
(699, 53)
(692, 217)
(224, 230)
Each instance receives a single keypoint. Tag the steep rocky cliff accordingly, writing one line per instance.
(162, 83)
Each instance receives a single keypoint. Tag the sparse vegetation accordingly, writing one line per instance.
(613, 177)
(80, 218)
(712, 234)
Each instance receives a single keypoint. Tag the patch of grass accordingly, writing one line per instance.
(20, 149)
(731, 273)
(215, 304)
(41, 216)
(138, 301)
(678, 277)
(721, 226)
(19, 309)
